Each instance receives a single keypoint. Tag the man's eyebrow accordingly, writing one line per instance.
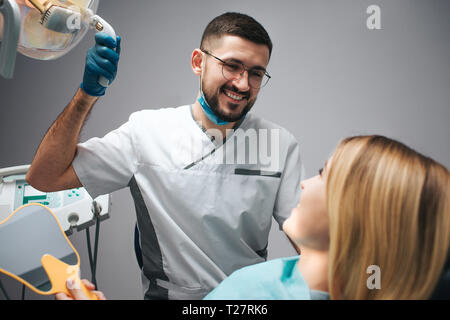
(239, 61)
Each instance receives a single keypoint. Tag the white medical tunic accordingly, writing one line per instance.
(204, 207)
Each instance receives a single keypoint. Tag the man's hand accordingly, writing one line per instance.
(101, 60)
(77, 294)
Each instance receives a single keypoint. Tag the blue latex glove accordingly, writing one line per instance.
(101, 60)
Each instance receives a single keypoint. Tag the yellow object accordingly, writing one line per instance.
(57, 271)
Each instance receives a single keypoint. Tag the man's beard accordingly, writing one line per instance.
(213, 102)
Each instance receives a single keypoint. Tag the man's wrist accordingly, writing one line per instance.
(90, 93)
(85, 97)
(83, 101)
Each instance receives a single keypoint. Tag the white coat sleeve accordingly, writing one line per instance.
(288, 194)
(107, 164)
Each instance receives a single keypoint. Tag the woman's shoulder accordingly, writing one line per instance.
(274, 265)
(258, 281)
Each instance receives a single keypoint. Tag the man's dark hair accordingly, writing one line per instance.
(237, 24)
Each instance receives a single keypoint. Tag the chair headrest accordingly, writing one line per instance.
(442, 290)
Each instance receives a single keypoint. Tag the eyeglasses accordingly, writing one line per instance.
(257, 77)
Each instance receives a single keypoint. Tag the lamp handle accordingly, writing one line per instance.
(101, 25)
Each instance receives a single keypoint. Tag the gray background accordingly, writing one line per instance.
(331, 78)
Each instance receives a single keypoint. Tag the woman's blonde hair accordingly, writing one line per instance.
(388, 206)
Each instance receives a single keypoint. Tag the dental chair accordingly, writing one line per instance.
(442, 290)
(137, 247)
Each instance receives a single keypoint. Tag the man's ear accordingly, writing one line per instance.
(196, 61)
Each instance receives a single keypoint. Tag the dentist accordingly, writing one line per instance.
(204, 195)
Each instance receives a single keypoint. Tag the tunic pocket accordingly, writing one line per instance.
(248, 172)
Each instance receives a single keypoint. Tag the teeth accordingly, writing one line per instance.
(232, 96)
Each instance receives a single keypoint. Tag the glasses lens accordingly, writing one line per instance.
(232, 71)
(256, 78)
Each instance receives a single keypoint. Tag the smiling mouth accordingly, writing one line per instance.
(233, 95)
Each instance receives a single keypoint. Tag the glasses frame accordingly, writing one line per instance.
(240, 75)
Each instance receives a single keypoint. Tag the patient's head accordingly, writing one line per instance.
(380, 203)
(307, 226)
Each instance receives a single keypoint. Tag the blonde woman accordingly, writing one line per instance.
(376, 206)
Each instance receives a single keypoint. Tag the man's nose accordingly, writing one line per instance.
(241, 83)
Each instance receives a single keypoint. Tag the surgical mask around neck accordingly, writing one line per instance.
(208, 111)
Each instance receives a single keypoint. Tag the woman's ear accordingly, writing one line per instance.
(196, 61)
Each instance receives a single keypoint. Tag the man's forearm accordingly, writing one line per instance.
(58, 148)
